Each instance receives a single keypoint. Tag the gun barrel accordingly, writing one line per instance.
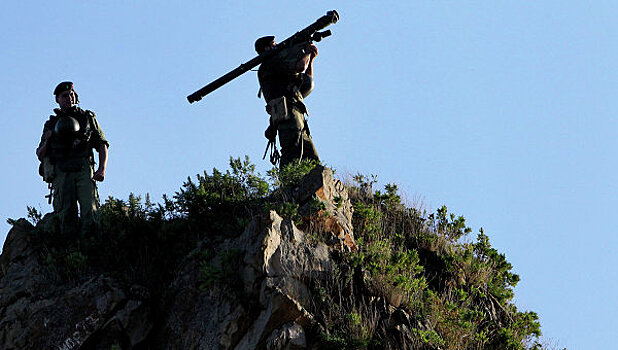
(331, 17)
(199, 94)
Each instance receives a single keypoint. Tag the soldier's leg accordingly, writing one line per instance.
(290, 137)
(88, 197)
(309, 151)
(65, 201)
(290, 141)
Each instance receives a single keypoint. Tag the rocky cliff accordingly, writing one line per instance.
(288, 275)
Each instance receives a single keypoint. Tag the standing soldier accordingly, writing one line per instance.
(286, 79)
(66, 154)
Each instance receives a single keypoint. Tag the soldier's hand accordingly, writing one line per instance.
(271, 133)
(99, 175)
(313, 50)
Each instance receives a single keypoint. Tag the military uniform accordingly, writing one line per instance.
(70, 153)
(278, 79)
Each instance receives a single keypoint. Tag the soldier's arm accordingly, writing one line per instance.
(308, 59)
(307, 85)
(101, 145)
(98, 136)
(99, 175)
(41, 151)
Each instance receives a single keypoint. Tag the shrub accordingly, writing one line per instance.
(460, 294)
(291, 174)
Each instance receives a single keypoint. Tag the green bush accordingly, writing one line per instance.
(291, 174)
(222, 203)
(459, 293)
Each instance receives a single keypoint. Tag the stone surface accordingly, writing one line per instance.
(291, 336)
(336, 218)
(268, 311)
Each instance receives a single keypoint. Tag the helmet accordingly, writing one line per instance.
(263, 41)
(66, 128)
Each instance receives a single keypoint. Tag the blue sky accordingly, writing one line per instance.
(503, 111)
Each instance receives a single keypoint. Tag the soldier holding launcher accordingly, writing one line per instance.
(286, 79)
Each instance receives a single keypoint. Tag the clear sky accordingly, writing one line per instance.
(504, 111)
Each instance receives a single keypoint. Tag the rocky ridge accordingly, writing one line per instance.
(230, 263)
(273, 262)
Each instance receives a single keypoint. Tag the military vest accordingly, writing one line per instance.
(72, 153)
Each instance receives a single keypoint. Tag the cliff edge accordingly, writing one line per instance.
(233, 263)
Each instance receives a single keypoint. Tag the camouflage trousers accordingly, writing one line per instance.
(71, 188)
(295, 140)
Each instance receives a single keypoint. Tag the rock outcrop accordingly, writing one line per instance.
(246, 292)
(37, 312)
(230, 265)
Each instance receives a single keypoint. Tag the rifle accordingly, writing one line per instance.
(309, 34)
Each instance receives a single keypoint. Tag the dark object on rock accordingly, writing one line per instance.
(66, 128)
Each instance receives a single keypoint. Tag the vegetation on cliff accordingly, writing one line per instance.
(409, 267)
(459, 293)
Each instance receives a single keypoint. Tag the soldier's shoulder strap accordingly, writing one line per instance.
(86, 112)
(91, 117)
(51, 121)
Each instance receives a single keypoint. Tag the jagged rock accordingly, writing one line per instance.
(38, 313)
(290, 336)
(337, 216)
(276, 260)
(266, 288)
(18, 259)
(262, 303)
